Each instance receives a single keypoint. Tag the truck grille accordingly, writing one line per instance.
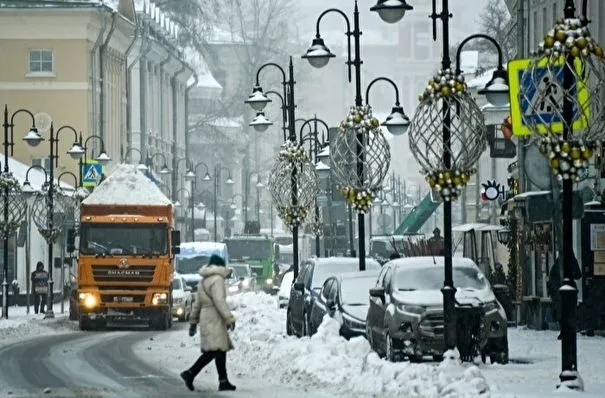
(111, 273)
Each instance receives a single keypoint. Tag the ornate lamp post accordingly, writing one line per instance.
(361, 143)
(164, 170)
(102, 157)
(317, 227)
(570, 124)
(229, 181)
(259, 185)
(14, 208)
(447, 138)
(292, 170)
(45, 219)
(141, 166)
(191, 175)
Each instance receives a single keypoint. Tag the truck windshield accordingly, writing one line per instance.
(123, 238)
(253, 249)
(190, 265)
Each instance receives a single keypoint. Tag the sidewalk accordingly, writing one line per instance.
(21, 324)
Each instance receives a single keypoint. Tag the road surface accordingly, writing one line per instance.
(102, 365)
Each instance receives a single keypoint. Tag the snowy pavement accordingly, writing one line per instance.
(21, 325)
(328, 363)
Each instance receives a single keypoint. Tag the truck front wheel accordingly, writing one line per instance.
(161, 321)
(86, 324)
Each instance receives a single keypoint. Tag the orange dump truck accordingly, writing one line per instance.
(125, 259)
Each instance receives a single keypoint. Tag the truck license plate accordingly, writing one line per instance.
(123, 299)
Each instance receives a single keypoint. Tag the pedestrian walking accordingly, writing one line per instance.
(39, 279)
(214, 318)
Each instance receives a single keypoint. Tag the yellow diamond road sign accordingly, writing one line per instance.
(535, 109)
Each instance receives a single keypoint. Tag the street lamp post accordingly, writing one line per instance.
(102, 157)
(191, 175)
(318, 56)
(50, 233)
(229, 181)
(14, 209)
(447, 137)
(164, 170)
(571, 63)
(246, 195)
(141, 166)
(292, 208)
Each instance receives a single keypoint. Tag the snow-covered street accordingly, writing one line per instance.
(326, 362)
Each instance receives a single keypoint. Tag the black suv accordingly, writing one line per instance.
(307, 286)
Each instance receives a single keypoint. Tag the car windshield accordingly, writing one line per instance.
(249, 249)
(191, 265)
(123, 238)
(241, 270)
(324, 270)
(176, 285)
(354, 291)
(431, 278)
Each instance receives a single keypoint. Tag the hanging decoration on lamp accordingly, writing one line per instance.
(446, 97)
(360, 157)
(569, 119)
(17, 206)
(293, 184)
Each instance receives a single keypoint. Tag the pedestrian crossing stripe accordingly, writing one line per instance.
(523, 111)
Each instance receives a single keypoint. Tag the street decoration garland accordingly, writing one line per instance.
(316, 227)
(569, 36)
(292, 152)
(568, 159)
(16, 205)
(360, 200)
(293, 216)
(7, 180)
(444, 84)
(360, 120)
(449, 183)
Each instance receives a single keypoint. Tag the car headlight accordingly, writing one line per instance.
(246, 282)
(491, 306)
(412, 309)
(233, 289)
(159, 298)
(269, 281)
(88, 300)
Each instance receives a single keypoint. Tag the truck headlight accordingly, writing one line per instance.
(88, 300)
(269, 281)
(159, 298)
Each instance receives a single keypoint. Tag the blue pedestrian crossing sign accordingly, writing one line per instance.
(535, 108)
(91, 173)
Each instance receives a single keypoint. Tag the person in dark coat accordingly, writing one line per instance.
(39, 280)
(555, 280)
(215, 320)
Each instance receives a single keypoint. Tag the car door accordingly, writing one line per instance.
(381, 310)
(297, 299)
(373, 319)
(319, 309)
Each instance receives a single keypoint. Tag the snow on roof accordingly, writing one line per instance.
(127, 186)
(430, 261)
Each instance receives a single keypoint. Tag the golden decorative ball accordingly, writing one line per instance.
(555, 163)
(576, 153)
(560, 36)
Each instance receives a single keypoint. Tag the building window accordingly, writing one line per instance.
(41, 61)
(42, 162)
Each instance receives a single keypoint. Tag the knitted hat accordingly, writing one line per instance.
(216, 260)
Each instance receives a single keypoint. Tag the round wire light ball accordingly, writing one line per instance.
(17, 206)
(446, 98)
(360, 157)
(293, 184)
(40, 215)
(563, 90)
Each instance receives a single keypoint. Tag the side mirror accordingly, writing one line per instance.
(175, 237)
(299, 286)
(71, 240)
(377, 292)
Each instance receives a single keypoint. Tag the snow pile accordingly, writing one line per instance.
(20, 325)
(127, 186)
(326, 360)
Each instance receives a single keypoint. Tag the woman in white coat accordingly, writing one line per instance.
(215, 319)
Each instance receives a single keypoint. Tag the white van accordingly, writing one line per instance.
(193, 256)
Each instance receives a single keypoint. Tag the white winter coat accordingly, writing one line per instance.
(210, 311)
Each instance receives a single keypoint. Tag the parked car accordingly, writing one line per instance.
(182, 299)
(283, 295)
(405, 317)
(305, 289)
(243, 274)
(345, 298)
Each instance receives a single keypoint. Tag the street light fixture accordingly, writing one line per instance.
(260, 122)
(141, 166)
(258, 100)
(397, 122)
(50, 230)
(391, 11)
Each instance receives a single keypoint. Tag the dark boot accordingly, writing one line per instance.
(224, 385)
(188, 379)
